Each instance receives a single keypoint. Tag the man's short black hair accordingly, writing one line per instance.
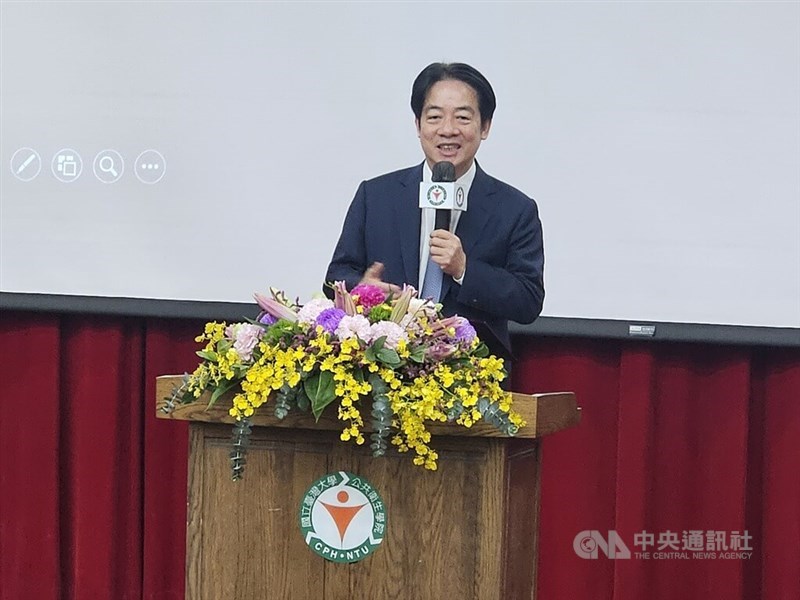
(436, 72)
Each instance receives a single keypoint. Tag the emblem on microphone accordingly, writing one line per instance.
(460, 197)
(437, 195)
(445, 195)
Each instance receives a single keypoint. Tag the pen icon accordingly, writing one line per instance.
(26, 164)
(28, 161)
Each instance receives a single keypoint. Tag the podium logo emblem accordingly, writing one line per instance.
(342, 517)
(437, 195)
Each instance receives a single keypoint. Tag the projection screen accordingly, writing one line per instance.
(206, 150)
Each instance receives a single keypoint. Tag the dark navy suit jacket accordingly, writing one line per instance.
(500, 233)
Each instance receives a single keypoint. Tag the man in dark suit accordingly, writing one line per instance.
(488, 267)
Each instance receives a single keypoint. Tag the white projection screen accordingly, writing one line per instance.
(206, 150)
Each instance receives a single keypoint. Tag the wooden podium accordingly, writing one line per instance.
(466, 531)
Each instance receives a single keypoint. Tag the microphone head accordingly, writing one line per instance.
(444, 171)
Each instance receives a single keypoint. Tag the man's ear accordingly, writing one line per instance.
(485, 127)
(416, 124)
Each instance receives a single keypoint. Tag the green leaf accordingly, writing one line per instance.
(379, 386)
(303, 403)
(418, 355)
(221, 389)
(377, 345)
(282, 330)
(320, 390)
(389, 357)
(373, 353)
(482, 351)
(209, 355)
(256, 322)
(370, 355)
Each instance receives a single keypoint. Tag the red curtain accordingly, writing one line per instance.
(674, 438)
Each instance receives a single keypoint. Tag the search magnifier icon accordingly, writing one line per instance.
(108, 166)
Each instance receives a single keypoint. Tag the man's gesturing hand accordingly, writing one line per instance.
(374, 276)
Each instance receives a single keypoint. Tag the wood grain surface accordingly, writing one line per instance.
(466, 531)
(444, 529)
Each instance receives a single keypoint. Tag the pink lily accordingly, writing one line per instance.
(400, 307)
(275, 308)
(342, 298)
(440, 328)
(440, 351)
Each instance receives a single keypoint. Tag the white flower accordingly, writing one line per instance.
(245, 337)
(411, 323)
(312, 308)
(393, 332)
(353, 326)
(420, 307)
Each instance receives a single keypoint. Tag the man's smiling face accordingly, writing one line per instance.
(450, 127)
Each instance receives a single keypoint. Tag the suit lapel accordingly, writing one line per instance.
(408, 222)
(472, 222)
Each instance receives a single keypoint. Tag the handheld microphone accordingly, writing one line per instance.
(443, 172)
(443, 194)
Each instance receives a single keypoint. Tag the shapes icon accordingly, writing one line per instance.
(67, 165)
(26, 164)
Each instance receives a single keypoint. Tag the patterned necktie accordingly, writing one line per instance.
(432, 284)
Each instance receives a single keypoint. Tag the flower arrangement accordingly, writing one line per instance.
(417, 366)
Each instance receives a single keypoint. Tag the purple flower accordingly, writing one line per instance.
(267, 319)
(312, 309)
(465, 332)
(368, 295)
(330, 319)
